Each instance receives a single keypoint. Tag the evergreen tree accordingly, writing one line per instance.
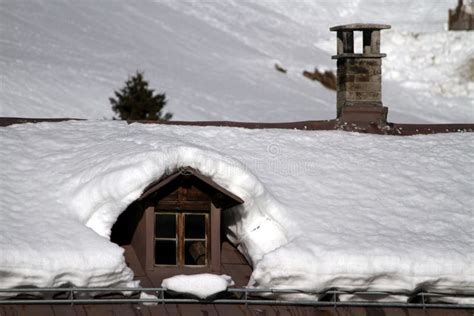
(136, 101)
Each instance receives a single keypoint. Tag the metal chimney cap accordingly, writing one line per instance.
(360, 27)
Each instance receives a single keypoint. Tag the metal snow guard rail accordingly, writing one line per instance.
(244, 298)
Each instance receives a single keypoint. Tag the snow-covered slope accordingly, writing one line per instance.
(322, 209)
(215, 59)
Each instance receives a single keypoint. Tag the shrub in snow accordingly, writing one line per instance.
(327, 78)
(136, 101)
(201, 285)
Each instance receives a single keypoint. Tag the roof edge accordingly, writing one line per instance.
(187, 171)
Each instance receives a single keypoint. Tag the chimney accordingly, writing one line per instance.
(359, 76)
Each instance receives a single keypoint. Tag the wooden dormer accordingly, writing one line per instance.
(175, 226)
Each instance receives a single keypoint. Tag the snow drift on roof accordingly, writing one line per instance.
(322, 209)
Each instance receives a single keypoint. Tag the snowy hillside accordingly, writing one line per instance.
(215, 59)
(322, 209)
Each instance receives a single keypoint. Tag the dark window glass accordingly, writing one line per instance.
(195, 226)
(165, 252)
(165, 226)
(195, 252)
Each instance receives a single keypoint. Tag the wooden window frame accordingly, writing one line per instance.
(176, 236)
(213, 231)
(181, 238)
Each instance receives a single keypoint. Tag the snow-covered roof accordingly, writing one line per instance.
(322, 208)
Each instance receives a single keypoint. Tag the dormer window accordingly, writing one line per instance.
(166, 239)
(181, 239)
(175, 226)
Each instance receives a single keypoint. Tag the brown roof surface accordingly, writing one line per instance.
(390, 129)
(221, 309)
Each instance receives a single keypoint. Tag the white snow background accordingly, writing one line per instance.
(322, 209)
(215, 59)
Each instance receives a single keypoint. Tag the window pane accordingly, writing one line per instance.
(195, 226)
(195, 253)
(165, 252)
(165, 225)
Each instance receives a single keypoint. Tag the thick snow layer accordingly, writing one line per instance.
(322, 209)
(215, 59)
(201, 285)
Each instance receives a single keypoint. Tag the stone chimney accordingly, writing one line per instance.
(359, 76)
(462, 17)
